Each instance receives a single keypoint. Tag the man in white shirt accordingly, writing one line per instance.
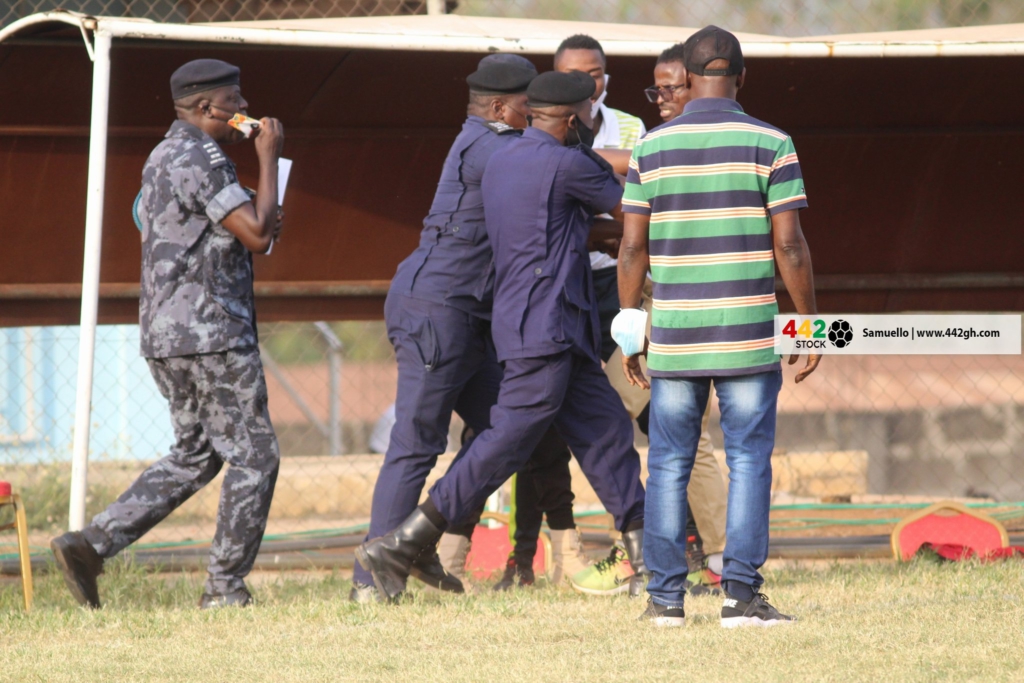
(613, 129)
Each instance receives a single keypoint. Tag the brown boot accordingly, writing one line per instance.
(453, 549)
(567, 555)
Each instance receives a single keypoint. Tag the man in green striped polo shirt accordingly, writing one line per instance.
(712, 204)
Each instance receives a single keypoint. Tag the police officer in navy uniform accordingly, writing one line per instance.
(438, 313)
(540, 197)
(198, 334)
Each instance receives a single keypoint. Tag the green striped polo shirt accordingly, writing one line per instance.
(710, 180)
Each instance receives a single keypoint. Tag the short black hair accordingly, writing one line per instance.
(676, 53)
(580, 41)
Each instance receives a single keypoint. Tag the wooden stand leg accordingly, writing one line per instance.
(23, 552)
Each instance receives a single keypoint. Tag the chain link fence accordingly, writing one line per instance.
(776, 17)
(864, 431)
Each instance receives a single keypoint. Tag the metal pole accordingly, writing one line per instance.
(334, 401)
(436, 7)
(90, 275)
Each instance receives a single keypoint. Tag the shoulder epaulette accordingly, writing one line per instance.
(214, 154)
(600, 160)
(501, 128)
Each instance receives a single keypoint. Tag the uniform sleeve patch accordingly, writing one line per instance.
(502, 128)
(226, 201)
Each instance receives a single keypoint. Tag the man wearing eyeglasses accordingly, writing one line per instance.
(669, 89)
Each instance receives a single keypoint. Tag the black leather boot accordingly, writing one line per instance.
(634, 542)
(389, 558)
(80, 564)
(428, 569)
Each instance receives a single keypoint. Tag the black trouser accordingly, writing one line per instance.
(606, 290)
(543, 486)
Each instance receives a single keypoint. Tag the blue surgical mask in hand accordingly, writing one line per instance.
(629, 330)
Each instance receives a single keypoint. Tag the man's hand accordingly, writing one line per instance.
(279, 225)
(794, 261)
(812, 364)
(634, 373)
(257, 224)
(269, 140)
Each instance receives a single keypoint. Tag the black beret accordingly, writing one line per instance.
(501, 78)
(554, 88)
(201, 75)
(507, 58)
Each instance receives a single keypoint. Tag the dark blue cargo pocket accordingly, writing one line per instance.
(423, 336)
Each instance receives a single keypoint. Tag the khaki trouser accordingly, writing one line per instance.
(706, 492)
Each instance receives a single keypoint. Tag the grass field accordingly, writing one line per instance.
(862, 621)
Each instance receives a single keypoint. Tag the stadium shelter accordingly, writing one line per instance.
(912, 145)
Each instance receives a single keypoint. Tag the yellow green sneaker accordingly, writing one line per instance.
(607, 577)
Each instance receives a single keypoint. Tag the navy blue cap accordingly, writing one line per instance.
(554, 88)
(201, 75)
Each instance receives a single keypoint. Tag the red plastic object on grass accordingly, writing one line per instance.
(958, 553)
(490, 552)
(5, 488)
(948, 524)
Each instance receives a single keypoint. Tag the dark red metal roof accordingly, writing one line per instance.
(912, 168)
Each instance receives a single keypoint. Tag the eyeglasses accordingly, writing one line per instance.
(666, 92)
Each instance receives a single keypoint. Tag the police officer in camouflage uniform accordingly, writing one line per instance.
(198, 333)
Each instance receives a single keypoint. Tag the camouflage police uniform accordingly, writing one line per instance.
(198, 334)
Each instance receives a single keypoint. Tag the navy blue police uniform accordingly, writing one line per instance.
(539, 200)
(438, 312)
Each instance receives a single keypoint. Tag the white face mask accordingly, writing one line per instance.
(595, 107)
(629, 330)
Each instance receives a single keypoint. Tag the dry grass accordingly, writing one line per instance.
(860, 622)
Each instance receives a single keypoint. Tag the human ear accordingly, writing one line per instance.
(741, 79)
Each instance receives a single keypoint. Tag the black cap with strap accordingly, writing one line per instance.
(708, 45)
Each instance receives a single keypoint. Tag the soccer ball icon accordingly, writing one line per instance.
(840, 334)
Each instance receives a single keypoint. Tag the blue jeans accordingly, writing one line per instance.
(748, 404)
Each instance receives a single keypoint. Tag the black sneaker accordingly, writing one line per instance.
(515, 574)
(660, 615)
(757, 612)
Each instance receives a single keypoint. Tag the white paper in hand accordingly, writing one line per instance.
(284, 169)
